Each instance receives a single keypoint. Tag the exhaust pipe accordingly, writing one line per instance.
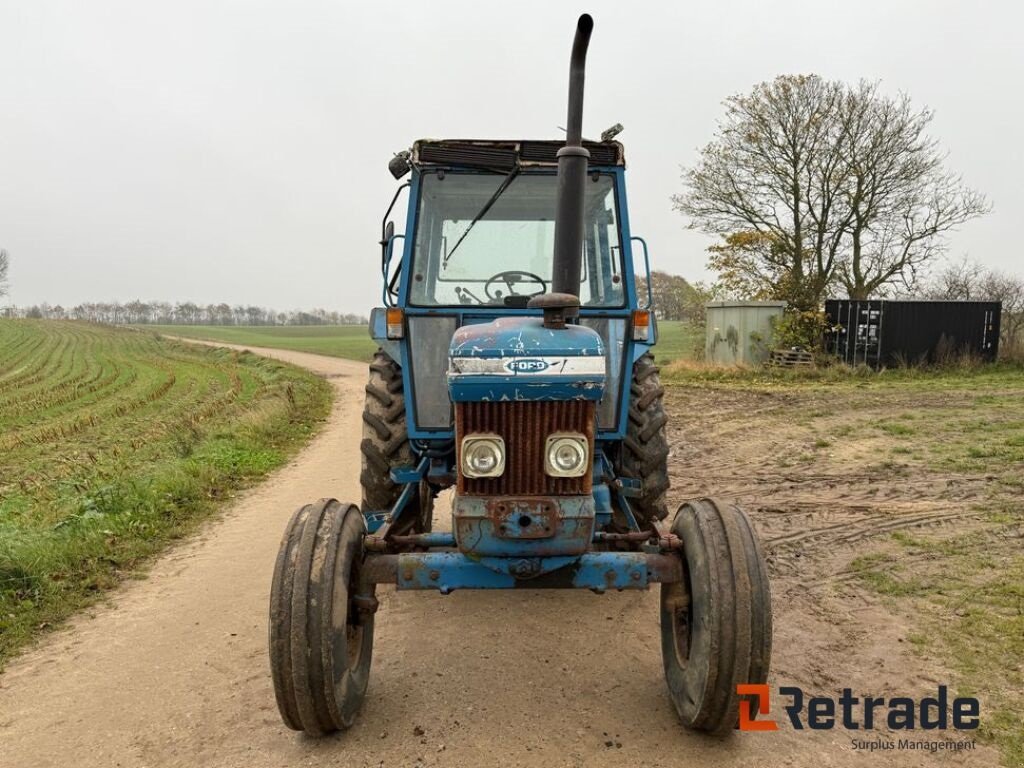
(572, 173)
(563, 301)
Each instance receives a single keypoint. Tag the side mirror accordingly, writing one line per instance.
(389, 232)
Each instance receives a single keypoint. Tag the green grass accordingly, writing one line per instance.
(349, 341)
(982, 376)
(676, 340)
(896, 430)
(969, 606)
(113, 443)
(960, 419)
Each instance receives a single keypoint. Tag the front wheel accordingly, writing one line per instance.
(320, 642)
(716, 626)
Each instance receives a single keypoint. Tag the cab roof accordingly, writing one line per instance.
(505, 154)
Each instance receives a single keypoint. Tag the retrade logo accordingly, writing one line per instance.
(527, 365)
(852, 713)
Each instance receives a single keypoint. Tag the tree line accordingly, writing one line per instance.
(674, 297)
(182, 313)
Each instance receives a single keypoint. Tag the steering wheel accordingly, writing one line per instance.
(511, 278)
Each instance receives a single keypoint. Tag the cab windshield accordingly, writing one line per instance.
(505, 256)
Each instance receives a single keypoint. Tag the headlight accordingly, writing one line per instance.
(483, 456)
(566, 455)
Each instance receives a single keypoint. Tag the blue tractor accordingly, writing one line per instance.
(515, 366)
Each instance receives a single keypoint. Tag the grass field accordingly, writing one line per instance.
(112, 443)
(885, 500)
(349, 341)
(676, 340)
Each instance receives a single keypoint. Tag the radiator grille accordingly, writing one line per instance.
(525, 427)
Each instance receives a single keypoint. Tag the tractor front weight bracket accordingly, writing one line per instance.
(448, 571)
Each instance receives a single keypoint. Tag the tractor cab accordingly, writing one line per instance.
(479, 234)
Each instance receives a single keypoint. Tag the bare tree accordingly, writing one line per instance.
(770, 171)
(5, 262)
(901, 200)
(959, 281)
(965, 280)
(815, 184)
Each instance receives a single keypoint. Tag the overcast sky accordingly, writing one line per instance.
(237, 151)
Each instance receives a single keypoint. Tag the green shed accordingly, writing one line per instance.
(740, 332)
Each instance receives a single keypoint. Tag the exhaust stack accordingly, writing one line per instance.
(563, 302)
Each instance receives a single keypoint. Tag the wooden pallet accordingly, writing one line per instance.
(790, 358)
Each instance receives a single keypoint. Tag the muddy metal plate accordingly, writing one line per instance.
(523, 518)
(535, 526)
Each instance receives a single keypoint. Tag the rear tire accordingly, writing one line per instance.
(386, 446)
(643, 455)
(320, 644)
(721, 636)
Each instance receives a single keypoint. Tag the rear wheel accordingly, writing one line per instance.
(386, 446)
(321, 644)
(643, 454)
(716, 627)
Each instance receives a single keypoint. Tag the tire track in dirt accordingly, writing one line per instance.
(816, 517)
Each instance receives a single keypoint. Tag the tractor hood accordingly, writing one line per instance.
(517, 358)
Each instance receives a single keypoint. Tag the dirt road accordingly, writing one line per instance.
(173, 672)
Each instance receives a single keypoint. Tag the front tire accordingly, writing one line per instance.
(716, 627)
(320, 644)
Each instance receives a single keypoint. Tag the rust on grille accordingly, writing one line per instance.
(525, 426)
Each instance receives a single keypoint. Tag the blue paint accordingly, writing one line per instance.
(374, 520)
(448, 571)
(403, 475)
(379, 333)
(602, 505)
(495, 389)
(538, 359)
(438, 539)
(525, 338)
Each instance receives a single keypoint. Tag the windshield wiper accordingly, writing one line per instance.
(483, 212)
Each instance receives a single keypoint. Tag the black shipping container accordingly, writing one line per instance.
(890, 332)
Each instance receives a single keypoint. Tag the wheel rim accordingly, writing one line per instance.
(682, 619)
(681, 631)
(353, 646)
